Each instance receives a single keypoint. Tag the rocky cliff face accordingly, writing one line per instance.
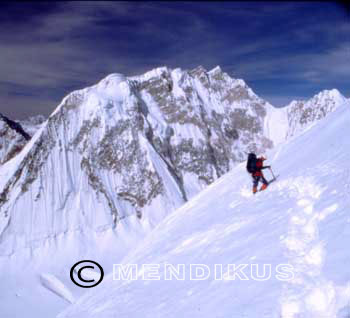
(206, 122)
(11, 142)
(128, 149)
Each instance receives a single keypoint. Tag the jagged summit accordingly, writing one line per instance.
(324, 95)
(157, 72)
(216, 69)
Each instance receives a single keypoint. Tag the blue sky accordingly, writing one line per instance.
(283, 50)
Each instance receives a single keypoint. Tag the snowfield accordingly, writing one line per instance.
(302, 220)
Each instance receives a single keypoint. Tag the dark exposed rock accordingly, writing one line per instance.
(15, 135)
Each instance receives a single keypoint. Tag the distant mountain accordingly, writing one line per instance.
(11, 140)
(302, 114)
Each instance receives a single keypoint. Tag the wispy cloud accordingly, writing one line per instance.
(48, 50)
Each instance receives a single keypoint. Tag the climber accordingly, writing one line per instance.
(254, 167)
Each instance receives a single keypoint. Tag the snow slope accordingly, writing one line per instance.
(302, 220)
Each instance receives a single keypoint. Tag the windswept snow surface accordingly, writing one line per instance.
(302, 220)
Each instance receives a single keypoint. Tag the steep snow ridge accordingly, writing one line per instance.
(301, 220)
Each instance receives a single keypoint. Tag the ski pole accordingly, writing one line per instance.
(272, 173)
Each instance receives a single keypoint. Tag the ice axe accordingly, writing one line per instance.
(272, 173)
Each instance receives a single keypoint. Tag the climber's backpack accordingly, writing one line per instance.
(251, 163)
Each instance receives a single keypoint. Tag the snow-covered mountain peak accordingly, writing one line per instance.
(331, 96)
(216, 69)
(332, 93)
(200, 69)
(302, 114)
(324, 97)
(114, 79)
(129, 147)
(156, 72)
